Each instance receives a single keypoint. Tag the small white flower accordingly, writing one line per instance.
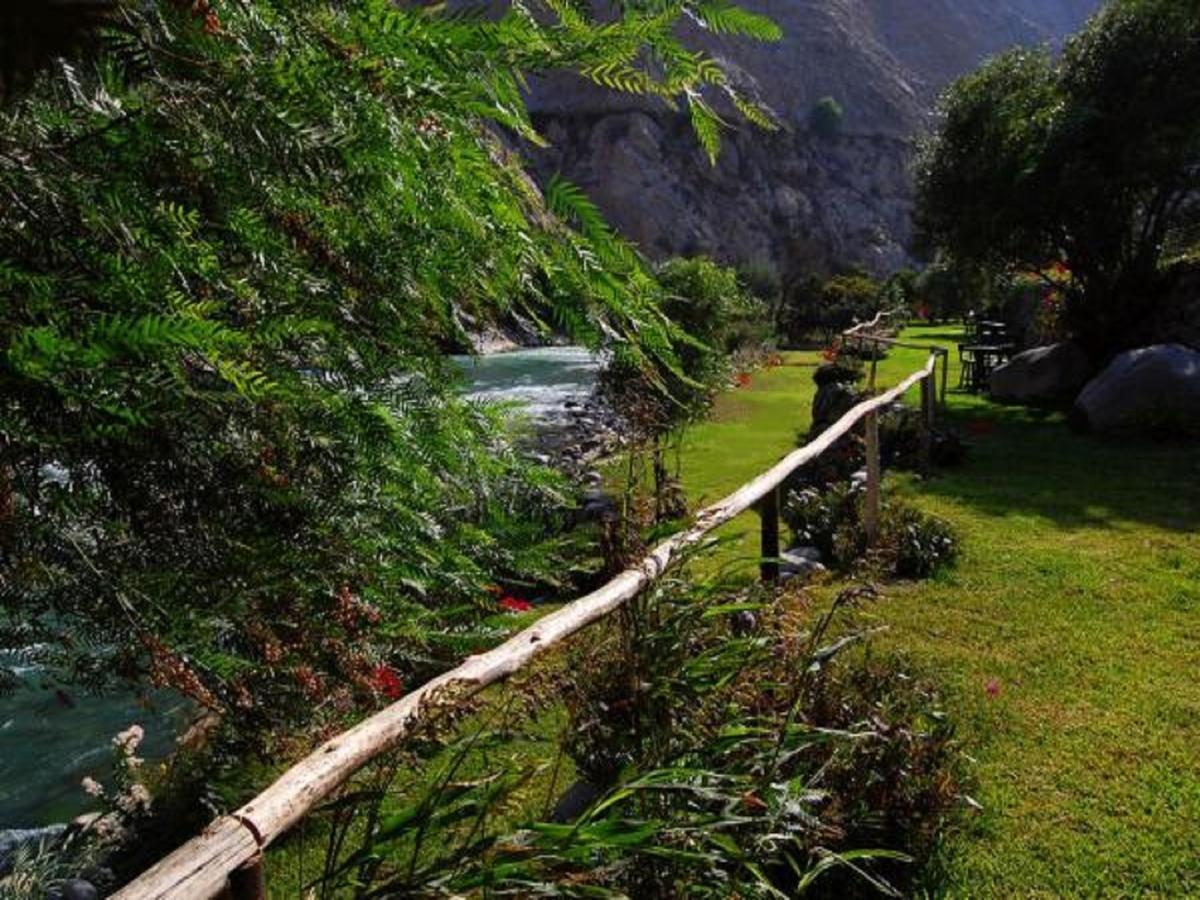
(129, 739)
(92, 787)
(134, 801)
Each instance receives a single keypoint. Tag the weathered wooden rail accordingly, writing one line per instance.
(875, 332)
(226, 859)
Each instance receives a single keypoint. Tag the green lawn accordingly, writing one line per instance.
(749, 430)
(1076, 598)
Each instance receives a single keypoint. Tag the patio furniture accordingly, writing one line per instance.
(978, 361)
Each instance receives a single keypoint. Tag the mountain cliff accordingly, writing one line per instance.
(790, 200)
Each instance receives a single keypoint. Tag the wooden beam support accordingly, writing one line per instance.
(768, 511)
(928, 402)
(248, 881)
(871, 502)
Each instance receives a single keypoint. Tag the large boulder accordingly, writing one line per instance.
(1153, 386)
(1041, 375)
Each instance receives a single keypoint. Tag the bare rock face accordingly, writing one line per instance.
(789, 200)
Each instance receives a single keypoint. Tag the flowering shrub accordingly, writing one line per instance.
(515, 605)
(127, 802)
(387, 682)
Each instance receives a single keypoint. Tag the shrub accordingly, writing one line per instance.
(754, 760)
(911, 543)
(918, 543)
(825, 118)
(821, 309)
(720, 735)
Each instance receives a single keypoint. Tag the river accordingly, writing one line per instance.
(49, 740)
(543, 380)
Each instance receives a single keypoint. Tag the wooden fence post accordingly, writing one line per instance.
(249, 881)
(945, 373)
(871, 504)
(928, 400)
(768, 511)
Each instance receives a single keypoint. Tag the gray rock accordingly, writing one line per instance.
(78, 889)
(597, 505)
(832, 401)
(743, 622)
(1041, 375)
(812, 554)
(1143, 387)
(788, 200)
(14, 839)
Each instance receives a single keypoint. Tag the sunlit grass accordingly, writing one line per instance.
(1065, 639)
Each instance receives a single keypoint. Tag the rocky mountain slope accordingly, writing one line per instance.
(790, 200)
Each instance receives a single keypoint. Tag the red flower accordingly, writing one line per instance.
(743, 379)
(993, 687)
(515, 605)
(387, 681)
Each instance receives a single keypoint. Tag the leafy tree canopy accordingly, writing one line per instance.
(1087, 160)
(234, 237)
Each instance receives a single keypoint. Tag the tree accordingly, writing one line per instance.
(1085, 161)
(233, 240)
(826, 117)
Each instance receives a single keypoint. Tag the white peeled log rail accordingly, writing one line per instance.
(225, 860)
(864, 332)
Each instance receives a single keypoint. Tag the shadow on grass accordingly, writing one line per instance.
(1028, 462)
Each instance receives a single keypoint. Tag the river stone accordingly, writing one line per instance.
(14, 839)
(1143, 387)
(78, 889)
(799, 561)
(1041, 375)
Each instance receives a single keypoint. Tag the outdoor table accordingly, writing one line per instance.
(978, 362)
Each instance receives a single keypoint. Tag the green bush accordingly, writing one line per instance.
(825, 118)
(911, 544)
(918, 543)
(235, 240)
(741, 741)
(815, 309)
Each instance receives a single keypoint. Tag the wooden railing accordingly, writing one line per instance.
(876, 332)
(226, 859)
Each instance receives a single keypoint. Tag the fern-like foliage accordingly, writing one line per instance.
(236, 240)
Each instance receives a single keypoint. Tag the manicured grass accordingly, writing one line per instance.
(1077, 599)
(1066, 638)
(749, 430)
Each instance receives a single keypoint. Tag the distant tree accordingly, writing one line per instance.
(826, 117)
(947, 289)
(819, 309)
(1086, 161)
